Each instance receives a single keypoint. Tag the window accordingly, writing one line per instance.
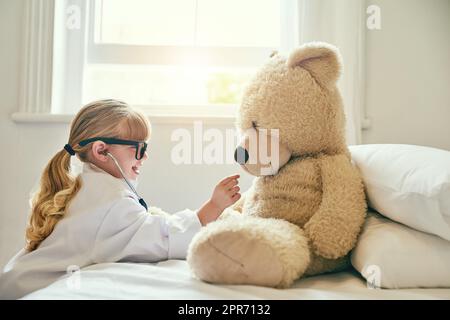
(175, 57)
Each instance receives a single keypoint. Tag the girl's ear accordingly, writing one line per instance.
(99, 150)
(320, 59)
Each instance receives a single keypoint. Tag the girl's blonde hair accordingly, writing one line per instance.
(103, 118)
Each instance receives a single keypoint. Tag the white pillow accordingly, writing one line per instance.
(391, 255)
(409, 184)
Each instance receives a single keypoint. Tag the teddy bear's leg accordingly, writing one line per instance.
(249, 250)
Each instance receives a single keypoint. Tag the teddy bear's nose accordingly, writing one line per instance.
(241, 155)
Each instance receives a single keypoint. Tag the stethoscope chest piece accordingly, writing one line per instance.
(142, 202)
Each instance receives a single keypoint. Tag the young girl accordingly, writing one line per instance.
(97, 216)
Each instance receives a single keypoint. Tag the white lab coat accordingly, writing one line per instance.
(104, 223)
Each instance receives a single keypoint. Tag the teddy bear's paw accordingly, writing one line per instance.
(255, 251)
(229, 213)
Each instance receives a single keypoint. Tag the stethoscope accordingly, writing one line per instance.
(141, 201)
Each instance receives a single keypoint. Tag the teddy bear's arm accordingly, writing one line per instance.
(334, 228)
(239, 204)
(235, 209)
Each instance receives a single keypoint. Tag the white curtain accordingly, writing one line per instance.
(341, 23)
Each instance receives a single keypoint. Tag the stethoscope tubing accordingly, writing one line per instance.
(141, 200)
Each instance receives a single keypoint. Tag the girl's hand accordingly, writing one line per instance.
(224, 195)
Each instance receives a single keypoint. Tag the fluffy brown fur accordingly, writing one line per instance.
(315, 203)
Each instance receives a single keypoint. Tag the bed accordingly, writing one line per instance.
(406, 237)
(172, 279)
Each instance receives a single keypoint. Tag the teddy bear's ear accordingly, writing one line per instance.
(322, 60)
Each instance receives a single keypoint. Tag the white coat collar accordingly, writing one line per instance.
(90, 168)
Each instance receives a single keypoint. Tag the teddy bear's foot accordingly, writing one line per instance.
(249, 250)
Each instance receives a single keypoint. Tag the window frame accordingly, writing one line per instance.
(55, 57)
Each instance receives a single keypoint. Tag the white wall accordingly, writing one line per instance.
(408, 73)
(407, 99)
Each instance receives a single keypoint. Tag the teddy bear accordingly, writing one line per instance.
(305, 208)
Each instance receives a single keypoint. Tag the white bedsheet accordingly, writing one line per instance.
(172, 280)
